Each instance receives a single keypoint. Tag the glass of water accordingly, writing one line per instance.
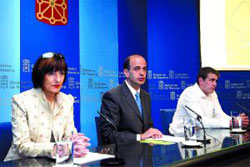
(236, 121)
(189, 128)
(64, 153)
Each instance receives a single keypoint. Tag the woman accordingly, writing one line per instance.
(43, 115)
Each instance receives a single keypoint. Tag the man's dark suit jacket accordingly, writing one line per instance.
(120, 107)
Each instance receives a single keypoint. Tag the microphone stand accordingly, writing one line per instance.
(205, 148)
(205, 140)
(244, 108)
(111, 161)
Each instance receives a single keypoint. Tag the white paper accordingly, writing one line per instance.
(169, 138)
(91, 157)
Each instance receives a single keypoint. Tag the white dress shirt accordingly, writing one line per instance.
(34, 119)
(208, 107)
(133, 91)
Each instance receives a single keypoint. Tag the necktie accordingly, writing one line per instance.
(138, 101)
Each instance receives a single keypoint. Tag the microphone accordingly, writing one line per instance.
(244, 108)
(108, 120)
(204, 141)
(198, 116)
(111, 161)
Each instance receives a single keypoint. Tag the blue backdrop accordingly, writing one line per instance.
(38, 37)
(98, 58)
(9, 55)
(173, 54)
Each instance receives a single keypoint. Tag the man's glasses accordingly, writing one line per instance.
(49, 55)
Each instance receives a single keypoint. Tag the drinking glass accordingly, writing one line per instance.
(236, 121)
(189, 128)
(64, 155)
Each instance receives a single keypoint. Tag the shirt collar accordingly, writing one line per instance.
(200, 92)
(132, 90)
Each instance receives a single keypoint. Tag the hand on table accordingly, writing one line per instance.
(81, 142)
(151, 133)
(245, 120)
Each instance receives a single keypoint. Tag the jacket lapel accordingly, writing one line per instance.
(144, 106)
(58, 106)
(129, 99)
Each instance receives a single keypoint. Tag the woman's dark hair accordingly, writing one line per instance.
(48, 62)
(203, 73)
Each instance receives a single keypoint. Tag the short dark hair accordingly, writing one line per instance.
(126, 64)
(205, 71)
(46, 64)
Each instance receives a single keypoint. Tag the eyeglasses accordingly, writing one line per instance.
(49, 55)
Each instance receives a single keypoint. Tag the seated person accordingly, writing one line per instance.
(202, 98)
(43, 115)
(130, 115)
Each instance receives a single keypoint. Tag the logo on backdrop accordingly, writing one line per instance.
(53, 12)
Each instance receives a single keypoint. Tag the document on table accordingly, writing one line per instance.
(91, 157)
(172, 139)
(166, 139)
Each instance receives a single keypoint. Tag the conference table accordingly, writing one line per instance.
(224, 149)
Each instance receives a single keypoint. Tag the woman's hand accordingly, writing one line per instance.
(81, 142)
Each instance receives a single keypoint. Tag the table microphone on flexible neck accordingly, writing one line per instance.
(111, 161)
(108, 120)
(204, 140)
(243, 107)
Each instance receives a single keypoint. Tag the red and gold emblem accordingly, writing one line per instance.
(53, 12)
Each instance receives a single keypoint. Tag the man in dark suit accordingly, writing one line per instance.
(131, 115)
